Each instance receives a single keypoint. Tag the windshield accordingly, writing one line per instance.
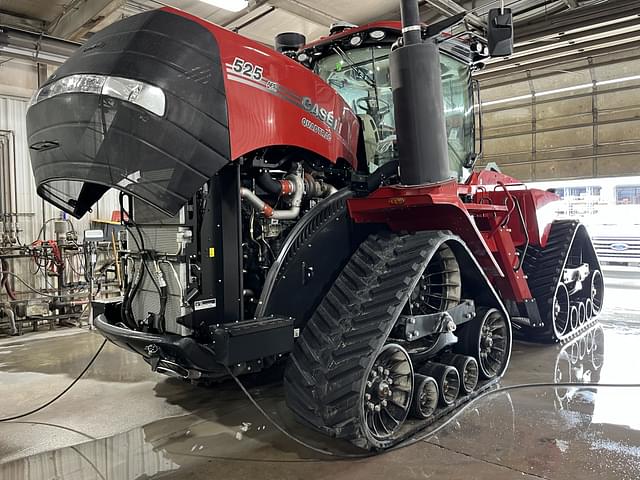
(361, 76)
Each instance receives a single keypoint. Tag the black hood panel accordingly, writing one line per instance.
(83, 144)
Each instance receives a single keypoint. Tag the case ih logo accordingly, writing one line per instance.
(619, 247)
(321, 113)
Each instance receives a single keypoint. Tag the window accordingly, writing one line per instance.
(628, 195)
(577, 192)
(458, 110)
(361, 76)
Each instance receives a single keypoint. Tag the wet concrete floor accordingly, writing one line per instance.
(124, 422)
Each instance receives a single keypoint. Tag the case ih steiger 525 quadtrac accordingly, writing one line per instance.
(318, 211)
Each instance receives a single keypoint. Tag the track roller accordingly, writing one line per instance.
(560, 314)
(588, 309)
(573, 317)
(467, 369)
(439, 287)
(582, 314)
(425, 396)
(487, 340)
(388, 391)
(448, 380)
(596, 290)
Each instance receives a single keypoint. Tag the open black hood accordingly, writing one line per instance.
(83, 142)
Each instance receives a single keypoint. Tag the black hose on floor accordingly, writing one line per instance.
(322, 451)
(69, 387)
(433, 431)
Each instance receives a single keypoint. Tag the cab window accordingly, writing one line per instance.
(361, 76)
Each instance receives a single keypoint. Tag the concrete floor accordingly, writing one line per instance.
(123, 422)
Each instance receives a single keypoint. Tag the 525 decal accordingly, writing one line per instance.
(247, 69)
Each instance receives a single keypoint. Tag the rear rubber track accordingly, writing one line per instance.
(325, 377)
(544, 269)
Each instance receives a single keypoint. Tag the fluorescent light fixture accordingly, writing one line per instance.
(231, 5)
(618, 80)
(565, 89)
(506, 100)
(582, 86)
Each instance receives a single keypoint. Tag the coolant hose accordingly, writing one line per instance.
(268, 184)
(268, 211)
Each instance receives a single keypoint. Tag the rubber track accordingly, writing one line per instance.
(544, 268)
(325, 375)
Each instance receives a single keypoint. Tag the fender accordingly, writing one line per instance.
(302, 270)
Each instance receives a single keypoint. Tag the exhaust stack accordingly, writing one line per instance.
(418, 104)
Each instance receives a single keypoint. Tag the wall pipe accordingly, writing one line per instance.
(13, 169)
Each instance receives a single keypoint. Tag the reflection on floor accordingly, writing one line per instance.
(124, 422)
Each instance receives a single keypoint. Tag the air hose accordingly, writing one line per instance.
(433, 431)
(69, 387)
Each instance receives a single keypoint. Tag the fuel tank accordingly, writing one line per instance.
(156, 104)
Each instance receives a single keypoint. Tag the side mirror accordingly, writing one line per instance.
(500, 32)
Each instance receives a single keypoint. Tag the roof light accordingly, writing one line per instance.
(142, 94)
(303, 57)
(377, 34)
(231, 5)
(355, 40)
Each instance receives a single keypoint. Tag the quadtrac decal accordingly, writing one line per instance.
(247, 73)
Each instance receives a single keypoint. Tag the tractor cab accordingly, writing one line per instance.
(355, 63)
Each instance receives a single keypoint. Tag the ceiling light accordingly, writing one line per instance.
(377, 34)
(231, 5)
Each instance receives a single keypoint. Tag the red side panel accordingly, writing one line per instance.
(438, 207)
(428, 207)
(272, 100)
(537, 206)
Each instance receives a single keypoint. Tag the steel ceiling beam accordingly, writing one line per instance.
(449, 8)
(305, 11)
(545, 62)
(572, 37)
(579, 18)
(523, 59)
(21, 21)
(16, 43)
(82, 15)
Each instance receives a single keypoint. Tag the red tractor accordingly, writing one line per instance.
(314, 208)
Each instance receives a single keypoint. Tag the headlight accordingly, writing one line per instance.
(142, 94)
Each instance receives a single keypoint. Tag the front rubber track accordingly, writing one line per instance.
(325, 376)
